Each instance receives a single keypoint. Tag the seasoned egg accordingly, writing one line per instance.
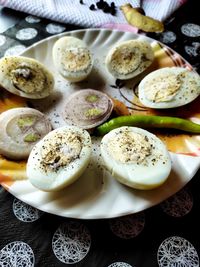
(72, 58)
(169, 88)
(59, 158)
(136, 157)
(87, 108)
(25, 77)
(21, 129)
(128, 59)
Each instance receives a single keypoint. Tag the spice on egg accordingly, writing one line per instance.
(60, 151)
(23, 77)
(129, 147)
(162, 88)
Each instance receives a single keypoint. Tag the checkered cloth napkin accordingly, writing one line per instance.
(79, 12)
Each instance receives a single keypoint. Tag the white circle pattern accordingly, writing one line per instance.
(190, 30)
(129, 226)
(119, 264)
(17, 254)
(54, 28)
(71, 242)
(25, 212)
(2, 40)
(15, 50)
(193, 50)
(26, 34)
(179, 204)
(176, 251)
(32, 19)
(167, 37)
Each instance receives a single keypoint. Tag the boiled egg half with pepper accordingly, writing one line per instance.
(169, 88)
(25, 77)
(72, 58)
(21, 129)
(129, 58)
(59, 158)
(136, 157)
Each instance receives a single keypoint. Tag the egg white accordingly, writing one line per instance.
(81, 64)
(54, 180)
(187, 92)
(11, 63)
(12, 144)
(128, 59)
(145, 175)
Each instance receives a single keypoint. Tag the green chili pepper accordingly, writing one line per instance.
(144, 121)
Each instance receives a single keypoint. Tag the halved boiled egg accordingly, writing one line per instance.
(169, 88)
(128, 59)
(136, 157)
(59, 158)
(87, 108)
(21, 129)
(72, 58)
(25, 77)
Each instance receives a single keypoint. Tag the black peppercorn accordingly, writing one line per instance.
(107, 9)
(113, 12)
(113, 8)
(92, 7)
(104, 6)
(100, 4)
(112, 4)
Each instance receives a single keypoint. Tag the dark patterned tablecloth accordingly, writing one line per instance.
(165, 235)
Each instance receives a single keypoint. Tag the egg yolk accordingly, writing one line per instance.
(125, 60)
(76, 59)
(130, 147)
(28, 78)
(60, 151)
(162, 88)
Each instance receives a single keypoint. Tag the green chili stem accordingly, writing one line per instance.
(144, 121)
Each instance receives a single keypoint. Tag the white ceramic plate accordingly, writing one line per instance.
(96, 194)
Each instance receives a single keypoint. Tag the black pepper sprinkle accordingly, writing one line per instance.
(81, 2)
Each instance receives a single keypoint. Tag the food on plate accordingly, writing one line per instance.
(148, 121)
(129, 58)
(135, 18)
(72, 58)
(87, 108)
(25, 77)
(21, 129)
(135, 157)
(169, 88)
(59, 158)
